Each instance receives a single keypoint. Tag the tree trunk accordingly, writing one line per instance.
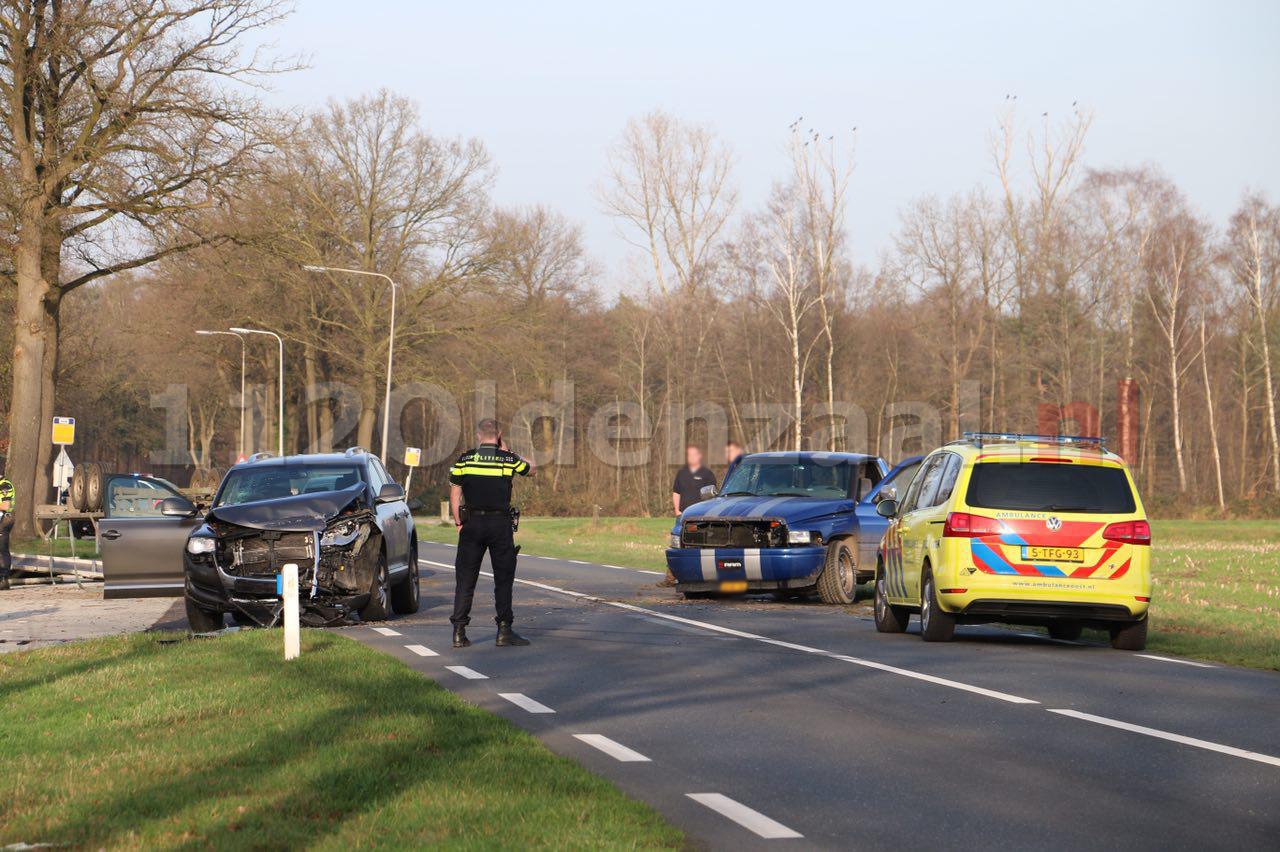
(1213, 429)
(313, 407)
(29, 333)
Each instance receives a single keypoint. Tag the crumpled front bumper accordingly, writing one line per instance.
(703, 569)
(215, 590)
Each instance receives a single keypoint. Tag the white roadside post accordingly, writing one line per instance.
(289, 592)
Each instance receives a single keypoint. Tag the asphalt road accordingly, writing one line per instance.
(759, 724)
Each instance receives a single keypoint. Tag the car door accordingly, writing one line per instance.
(871, 527)
(142, 555)
(914, 525)
(932, 516)
(391, 518)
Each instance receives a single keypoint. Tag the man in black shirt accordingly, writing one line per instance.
(480, 500)
(690, 481)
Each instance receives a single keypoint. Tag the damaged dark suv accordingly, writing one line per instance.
(338, 516)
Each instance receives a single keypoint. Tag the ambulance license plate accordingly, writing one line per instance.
(1038, 553)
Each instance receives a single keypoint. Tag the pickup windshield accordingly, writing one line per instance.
(249, 485)
(1050, 487)
(789, 478)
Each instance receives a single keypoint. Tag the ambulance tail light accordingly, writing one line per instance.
(965, 525)
(1128, 532)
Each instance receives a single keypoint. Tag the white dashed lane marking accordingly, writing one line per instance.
(524, 702)
(385, 631)
(1174, 660)
(751, 820)
(977, 690)
(468, 673)
(1175, 738)
(422, 651)
(616, 750)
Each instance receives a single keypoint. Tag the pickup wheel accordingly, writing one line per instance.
(379, 606)
(201, 620)
(838, 582)
(404, 595)
(889, 618)
(935, 625)
(1130, 637)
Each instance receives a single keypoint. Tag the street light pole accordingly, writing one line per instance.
(242, 366)
(280, 342)
(391, 343)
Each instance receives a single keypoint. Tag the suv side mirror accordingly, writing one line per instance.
(707, 492)
(177, 507)
(390, 493)
(887, 508)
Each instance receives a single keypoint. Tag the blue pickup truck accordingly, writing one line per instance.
(789, 523)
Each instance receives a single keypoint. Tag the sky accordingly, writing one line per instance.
(1191, 88)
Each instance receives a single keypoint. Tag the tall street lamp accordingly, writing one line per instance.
(280, 342)
(242, 365)
(391, 343)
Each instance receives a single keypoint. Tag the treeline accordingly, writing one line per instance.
(1043, 288)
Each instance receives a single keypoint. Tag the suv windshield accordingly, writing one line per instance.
(249, 485)
(1050, 487)
(789, 478)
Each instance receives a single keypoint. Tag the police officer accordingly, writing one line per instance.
(480, 500)
(6, 525)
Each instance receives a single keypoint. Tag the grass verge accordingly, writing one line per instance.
(161, 741)
(1217, 583)
(632, 542)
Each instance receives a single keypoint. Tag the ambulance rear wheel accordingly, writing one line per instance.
(1130, 637)
(1065, 631)
(935, 624)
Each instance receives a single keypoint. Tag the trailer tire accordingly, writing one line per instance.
(76, 493)
(94, 487)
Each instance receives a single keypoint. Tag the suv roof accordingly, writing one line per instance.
(810, 456)
(358, 454)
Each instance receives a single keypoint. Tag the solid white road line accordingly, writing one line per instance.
(469, 674)
(751, 820)
(385, 631)
(1175, 660)
(614, 749)
(1176, 738)
(647, 571)
(792, 646)
(524, 702)
(422, 651)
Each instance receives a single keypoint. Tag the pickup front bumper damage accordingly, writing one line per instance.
(332, 538)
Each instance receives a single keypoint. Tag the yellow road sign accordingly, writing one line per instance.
(412, 456)
(64, 431)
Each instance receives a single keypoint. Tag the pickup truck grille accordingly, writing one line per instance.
(733, 534)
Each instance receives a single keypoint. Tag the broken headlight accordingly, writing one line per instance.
(340, 535)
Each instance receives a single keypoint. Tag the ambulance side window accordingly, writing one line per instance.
(949, 477)
(912, 500)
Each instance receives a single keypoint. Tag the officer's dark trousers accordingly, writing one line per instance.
(6, 561)
(481, 533)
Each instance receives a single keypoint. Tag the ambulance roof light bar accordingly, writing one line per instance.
(978, 439)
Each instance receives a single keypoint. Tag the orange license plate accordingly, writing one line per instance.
(731, 586)
(1038, 553)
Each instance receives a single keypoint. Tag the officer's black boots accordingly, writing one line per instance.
(508, 637)
(460, 639)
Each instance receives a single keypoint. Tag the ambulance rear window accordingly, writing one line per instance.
(1050, 487)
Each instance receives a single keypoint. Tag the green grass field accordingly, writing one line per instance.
(1217, 583)
(159, 741)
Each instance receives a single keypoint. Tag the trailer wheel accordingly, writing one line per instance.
(94, 487)
(76, 493)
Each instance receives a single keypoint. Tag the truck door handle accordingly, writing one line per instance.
(111, 535)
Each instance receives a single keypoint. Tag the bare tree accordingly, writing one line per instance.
(1253, 246)
(120, 118)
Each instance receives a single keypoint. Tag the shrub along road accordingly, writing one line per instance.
(748, 723)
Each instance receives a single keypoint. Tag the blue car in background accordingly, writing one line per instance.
(790, 523)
